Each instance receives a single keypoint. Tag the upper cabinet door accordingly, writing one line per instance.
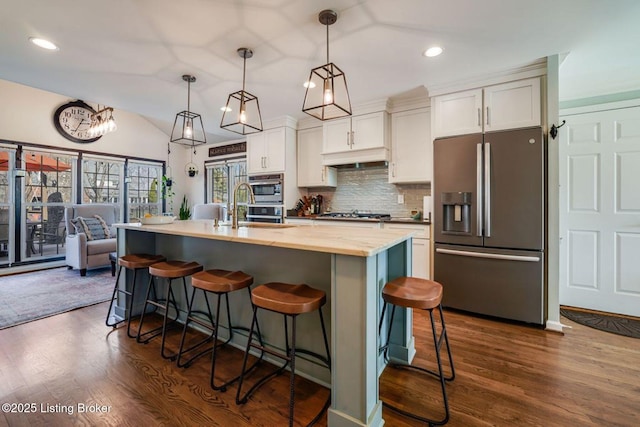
(311, 171)
(275, 150)
(458, 113)
(255, 152)
(336, 136)
(411, 147)
(266, 151)
(369, 131)
(512, 105)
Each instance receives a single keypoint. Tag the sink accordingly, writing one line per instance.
(265, 225)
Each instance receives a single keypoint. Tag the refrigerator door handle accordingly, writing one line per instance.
(487, 255)
(479, 190)
(487, 189)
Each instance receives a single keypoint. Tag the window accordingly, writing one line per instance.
(144, 189)
(222, 177)
(101, 180)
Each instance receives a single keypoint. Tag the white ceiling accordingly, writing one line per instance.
(131, 54)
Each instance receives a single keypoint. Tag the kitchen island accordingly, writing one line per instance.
(350, 265)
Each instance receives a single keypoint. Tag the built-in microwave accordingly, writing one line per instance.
(265, 213)
(267, 188)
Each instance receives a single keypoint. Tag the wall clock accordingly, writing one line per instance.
(73, 119)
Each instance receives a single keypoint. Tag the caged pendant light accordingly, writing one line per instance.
(327, 96)
(188, 128)
(242, 111)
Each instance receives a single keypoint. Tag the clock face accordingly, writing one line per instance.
(73, 119)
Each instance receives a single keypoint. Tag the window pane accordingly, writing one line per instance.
(144, 189)
(222, 179)
(101, 181)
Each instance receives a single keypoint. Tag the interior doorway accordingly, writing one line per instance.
(600, 208)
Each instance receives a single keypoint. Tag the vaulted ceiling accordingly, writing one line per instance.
(131, 54)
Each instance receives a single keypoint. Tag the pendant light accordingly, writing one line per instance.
(327, 96)
(242, 111)
(187, 128)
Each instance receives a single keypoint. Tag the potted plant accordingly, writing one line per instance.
(185, 212)
(167, 191)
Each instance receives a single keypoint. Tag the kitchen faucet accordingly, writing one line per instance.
(252, 199)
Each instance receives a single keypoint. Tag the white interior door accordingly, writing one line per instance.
(600, 211)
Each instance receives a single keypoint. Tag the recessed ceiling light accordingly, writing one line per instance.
(45, 44)
(309, 84)
(433, 51)
(225, 109)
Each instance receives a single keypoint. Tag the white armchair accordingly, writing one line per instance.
(82, 252)
(210, 211)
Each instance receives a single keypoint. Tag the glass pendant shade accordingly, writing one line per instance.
(188, 128)
(242, 111)
(327, 95)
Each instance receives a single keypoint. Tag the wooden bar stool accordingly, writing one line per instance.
(290, 301)
(170, 270)
(133, 262)
(413, 292)
(218, 282)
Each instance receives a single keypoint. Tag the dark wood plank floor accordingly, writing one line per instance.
(507, 375)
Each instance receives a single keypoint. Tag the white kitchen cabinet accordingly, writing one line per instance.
(512, 105)
(356, 139)
(458, 113)
(504, 106)
(420, 248)
(311, 171)
(266, 150)
(411, 147)
(336, 136)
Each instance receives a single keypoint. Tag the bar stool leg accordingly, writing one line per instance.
(116, 289)
(188, 320)
(437, 343)
(292, 357)
(150, 334)
(170, 297)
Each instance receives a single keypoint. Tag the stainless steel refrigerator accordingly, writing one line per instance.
(489, 223)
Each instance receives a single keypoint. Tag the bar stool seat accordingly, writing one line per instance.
(171, 269)
(133, 262)
(422, 294)
(219, 282)
(290, 301)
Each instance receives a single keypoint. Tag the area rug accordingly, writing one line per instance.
(621, 325)
(30, 296)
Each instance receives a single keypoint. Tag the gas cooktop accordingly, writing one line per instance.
(356, 214)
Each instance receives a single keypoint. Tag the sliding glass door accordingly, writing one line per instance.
(47, 188)
(7, 228)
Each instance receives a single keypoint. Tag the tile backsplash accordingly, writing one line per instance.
(368, 189)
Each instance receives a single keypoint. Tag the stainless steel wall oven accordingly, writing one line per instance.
(269, 206)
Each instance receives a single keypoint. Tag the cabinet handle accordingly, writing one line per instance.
(393, 169)
(348, 139)
(479, 119)
(353, 137)
(487, 115)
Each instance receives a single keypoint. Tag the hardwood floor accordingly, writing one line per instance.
(506, 375)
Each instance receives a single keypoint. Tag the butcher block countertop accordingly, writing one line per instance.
(335, 240)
